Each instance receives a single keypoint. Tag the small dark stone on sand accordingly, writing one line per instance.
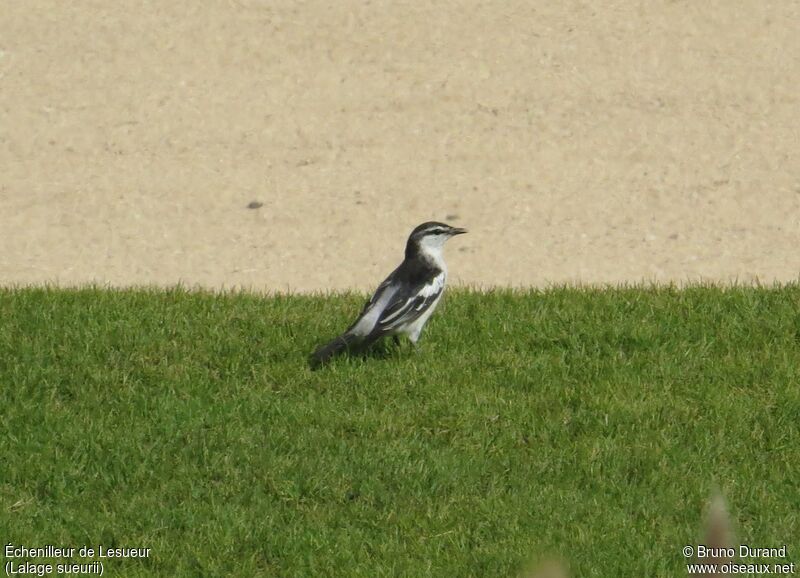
(255, 205)
(451, 217)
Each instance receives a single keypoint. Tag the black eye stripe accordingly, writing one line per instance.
(433, 231)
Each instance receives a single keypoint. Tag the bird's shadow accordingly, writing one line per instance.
(381, 350)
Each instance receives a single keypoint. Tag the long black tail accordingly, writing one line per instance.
(325, 353)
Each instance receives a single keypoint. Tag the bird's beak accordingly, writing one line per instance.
(457, 231)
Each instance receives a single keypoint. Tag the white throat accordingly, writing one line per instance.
(432, 249)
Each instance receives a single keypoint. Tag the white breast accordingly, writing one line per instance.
(413, 329)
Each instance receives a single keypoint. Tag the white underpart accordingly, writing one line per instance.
(413, 329)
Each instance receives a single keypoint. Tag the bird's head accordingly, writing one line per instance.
(430, 237)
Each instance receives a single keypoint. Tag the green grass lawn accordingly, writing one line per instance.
(591, 424)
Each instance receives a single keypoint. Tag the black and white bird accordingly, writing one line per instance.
(404, 302)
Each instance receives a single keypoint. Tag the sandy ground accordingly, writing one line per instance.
(578, 141)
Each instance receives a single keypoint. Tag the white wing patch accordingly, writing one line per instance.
(397, 313)
(415, 305)
(413, 329)
(434, 287)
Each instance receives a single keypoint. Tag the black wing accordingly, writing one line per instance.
(403, 297)
(407, 306)
(418, 285)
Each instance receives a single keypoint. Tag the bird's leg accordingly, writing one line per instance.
(396, 340)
